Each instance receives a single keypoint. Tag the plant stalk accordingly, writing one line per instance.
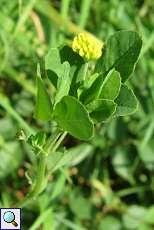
(42, 177)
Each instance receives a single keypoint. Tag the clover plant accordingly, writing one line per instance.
(89, 86)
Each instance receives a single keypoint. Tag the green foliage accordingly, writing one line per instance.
(43, 109)
(126, 102)
(111, 86)
(149, 215)
(63, 83)
(110, 222)
(101, 109)
(122, 51)
(133, 217)
(105, 182)
(53, 62)
(37, 141)
(70, 157)
(103, 95)
(73, 117)
(76, 202)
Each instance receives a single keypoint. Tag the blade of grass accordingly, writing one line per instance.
(47, 10)
(65, 8)
(24, 16)
(4, 102)
(64, 14)
(148, 44)
(67, 223)
(3, 37)
(148, 133)
(20, 7)
(84, 13)
(129, 191)
(41, 219)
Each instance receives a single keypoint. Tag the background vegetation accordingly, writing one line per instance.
(112, 187)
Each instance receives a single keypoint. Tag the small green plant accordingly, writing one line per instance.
(89, 83)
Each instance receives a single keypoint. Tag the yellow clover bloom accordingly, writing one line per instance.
(87, 46)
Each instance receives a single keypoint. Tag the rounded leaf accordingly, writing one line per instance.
(73, 117)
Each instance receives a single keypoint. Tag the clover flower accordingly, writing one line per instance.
(87, 46)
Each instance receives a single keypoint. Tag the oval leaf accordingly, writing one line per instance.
(72, 117)
(53, 61)
(101, 109)
(126, 102)
(43, 108)
(111, 86)
(122, 51)
(64, 82)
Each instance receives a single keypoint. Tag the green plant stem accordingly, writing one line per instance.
(41, 219)
(129, 191)
(55, 147)
(52, 140)
(148, 133)
(85, 70)
(39, 183)
(41, 178)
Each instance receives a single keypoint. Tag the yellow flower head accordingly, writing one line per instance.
(87, 46)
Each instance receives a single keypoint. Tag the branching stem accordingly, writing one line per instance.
(41, 179)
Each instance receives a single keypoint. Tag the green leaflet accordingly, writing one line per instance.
(72, 117)
(77, 67)
(90, 80)
(101, 109)
(54, 64)
(126, 102)
(43, 107)
(100, 88)
(53, 61)
(111, 86)
(86, 84)
(121, 52)
(63, 83)
(93, 91)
